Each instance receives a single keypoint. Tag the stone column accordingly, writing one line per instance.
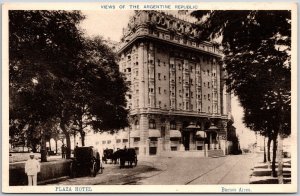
(210, 141)
(206, 150)
(192, 142)
(146, 147)
(144, 133)
(146, 76)
(167, 136)
(159, 146)
(223, 146)
(141, 73)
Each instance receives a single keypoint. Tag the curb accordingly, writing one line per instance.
(53, 180)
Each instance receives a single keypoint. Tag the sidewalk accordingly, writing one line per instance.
(262, 173)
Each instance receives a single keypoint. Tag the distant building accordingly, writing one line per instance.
(177, 98)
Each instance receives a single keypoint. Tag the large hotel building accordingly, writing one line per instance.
(178, 101)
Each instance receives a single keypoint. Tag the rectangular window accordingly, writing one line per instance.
(136, 139)
(165, 77)
(158, 90)
(158, 75)
(125, 140)
(208, 97)
(207, 84)
(173, 148)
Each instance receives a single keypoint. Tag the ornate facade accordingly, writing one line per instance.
(177, 97)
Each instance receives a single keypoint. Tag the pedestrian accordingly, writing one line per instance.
(32, 167)
(63, 151)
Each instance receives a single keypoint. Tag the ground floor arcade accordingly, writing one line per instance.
(152, 134)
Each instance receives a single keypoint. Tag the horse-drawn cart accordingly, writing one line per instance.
(86, 161)
(127, 155)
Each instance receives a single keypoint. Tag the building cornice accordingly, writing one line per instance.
(182, 113)
(123, 47)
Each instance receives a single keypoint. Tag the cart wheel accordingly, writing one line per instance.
(93, 169)
(72, 170)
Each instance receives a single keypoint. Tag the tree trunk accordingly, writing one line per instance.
(49, 145)
(280, 160)
(265, 158)
(274, 173)
(43, 149)
(68, 140)
(55, 145)
(268, 149)
(82, 134)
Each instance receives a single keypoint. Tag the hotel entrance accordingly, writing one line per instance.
(186, 140)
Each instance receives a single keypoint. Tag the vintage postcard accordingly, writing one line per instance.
(149, 97)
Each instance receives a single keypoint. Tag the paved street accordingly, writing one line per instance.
(235, 169)
(232, 169)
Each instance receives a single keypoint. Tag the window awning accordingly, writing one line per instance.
(135, 134)
(213, 128)
(201, 134)
(175, 133)
(154, 133)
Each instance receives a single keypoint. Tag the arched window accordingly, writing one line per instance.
(137, 124)
(173, 125)
(152, 124)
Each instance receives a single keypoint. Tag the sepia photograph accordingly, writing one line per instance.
(149, 94)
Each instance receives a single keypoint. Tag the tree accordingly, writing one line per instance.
(99, 90)
(256, 46)
(57, 76)
(42, 48)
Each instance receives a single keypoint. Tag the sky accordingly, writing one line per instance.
(109, 25)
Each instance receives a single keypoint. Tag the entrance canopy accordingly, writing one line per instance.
(212, 128)
(175, 134)
(154, 133)
(193, 126)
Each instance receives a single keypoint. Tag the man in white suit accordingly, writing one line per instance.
(32, 167)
